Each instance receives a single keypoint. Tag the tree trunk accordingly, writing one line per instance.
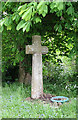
(27, 79)
(21, 73)
(24, 67)
(23, 76)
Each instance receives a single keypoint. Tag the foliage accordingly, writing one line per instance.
(14, 106)
(58, 45)
(32, 18)
(60, 78)
(65, 68)
(60, 23)
(33, 12)
(13, 48)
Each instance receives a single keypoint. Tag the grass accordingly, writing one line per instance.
(13, 105)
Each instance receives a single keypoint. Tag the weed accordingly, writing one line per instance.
(14, 106)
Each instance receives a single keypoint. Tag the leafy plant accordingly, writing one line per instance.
(32, 18)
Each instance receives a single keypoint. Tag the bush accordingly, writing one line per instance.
(61, 77)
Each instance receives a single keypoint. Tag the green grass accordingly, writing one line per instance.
(13, 105)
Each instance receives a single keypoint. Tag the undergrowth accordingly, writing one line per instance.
(14, 106)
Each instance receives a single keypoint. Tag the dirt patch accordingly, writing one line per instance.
(46, 99)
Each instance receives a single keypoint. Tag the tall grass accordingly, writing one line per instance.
(14, 106)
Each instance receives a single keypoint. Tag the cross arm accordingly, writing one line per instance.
(44, 49)
(29, 49)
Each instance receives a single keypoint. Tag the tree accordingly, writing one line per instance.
(13, 53)
(58, 18)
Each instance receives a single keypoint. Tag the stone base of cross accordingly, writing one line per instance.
(37, 80)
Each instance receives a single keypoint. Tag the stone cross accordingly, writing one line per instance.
(37, 80)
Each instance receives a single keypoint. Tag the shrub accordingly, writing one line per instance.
(60, 77)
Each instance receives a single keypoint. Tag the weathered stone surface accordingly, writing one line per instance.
(36, 46)
(37, 80)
